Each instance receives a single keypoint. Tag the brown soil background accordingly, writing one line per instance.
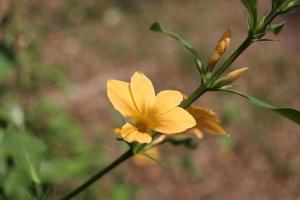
(263, 161)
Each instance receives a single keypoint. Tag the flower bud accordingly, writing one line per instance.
(232, 76)
(220, 49)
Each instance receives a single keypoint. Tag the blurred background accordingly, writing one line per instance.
(55, 59)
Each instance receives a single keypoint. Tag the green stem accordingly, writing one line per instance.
(128, 154)
(194, 96)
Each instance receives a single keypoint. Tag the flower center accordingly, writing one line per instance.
(142, 126)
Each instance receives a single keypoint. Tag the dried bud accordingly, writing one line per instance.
(232, 76)
(220, 49)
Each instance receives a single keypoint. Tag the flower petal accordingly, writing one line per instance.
(207, 120)
(142, 91)
(130, 134)
(119, 95)
(166, 100)
(175, 121)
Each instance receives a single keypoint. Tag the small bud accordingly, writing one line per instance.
(220, 49)
(232, 76)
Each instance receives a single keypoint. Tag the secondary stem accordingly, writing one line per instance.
(99, 174)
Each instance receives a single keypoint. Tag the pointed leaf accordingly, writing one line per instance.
(27, 151)
(290, 6)
(289, 113)
(31, 169)
(157, 27)
(276, 28)
(251, 6)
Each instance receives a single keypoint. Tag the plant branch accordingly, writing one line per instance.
(194, 96)
(128, 154)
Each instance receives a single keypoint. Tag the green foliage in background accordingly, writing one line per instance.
(41, 145)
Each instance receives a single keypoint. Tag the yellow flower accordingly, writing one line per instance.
(207, 121)
(146, 111)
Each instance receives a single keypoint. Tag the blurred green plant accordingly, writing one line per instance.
(41, 145)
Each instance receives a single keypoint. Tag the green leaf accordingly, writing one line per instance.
(276, 28)
(31, 168)
(251, 6)
(274, 3)
(26, 151)
(157, 27)
(290, 113)
(277, 3)
(290, 6)
(261, 22)
(15, 184)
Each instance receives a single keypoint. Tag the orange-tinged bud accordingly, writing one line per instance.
(220, 48)
(232, 76)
